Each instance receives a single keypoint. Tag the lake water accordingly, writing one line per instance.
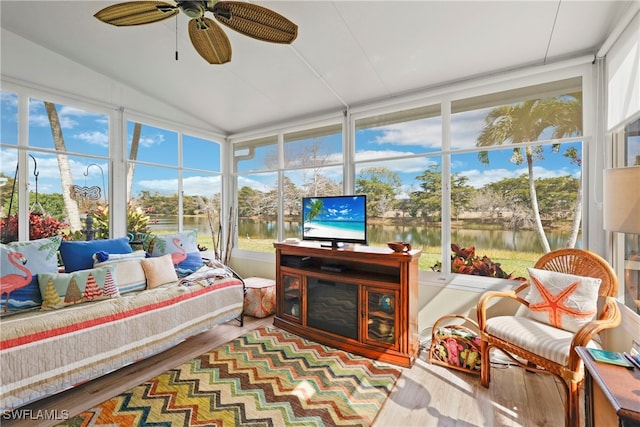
(520, 240)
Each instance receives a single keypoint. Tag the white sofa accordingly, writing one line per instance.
(45, 352)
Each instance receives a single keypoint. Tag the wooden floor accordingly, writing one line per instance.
(425, 395)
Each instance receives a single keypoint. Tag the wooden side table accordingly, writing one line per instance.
(611, 393)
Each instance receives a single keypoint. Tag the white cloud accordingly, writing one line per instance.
(423, 133)
(192, 186)
(94, 138)
(479, 178)
(410, 165)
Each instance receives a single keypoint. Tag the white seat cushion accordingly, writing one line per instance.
(535, 337)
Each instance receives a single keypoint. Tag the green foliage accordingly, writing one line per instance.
(314, 208)
(137, 221)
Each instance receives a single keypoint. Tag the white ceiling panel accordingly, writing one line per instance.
(347, 52)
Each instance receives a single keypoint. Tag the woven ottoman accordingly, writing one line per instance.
(260, 297)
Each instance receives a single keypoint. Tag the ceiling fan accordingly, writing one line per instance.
(206, 36)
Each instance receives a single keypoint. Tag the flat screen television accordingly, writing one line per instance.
(335, 219)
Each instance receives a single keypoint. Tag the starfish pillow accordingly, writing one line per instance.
(564, 301)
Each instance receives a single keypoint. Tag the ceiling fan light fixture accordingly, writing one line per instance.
(193, 9)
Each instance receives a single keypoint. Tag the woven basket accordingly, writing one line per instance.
(456, 346)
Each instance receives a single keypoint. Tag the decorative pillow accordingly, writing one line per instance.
(21, 263)
(564, 301)
(159, 271)
(182, 247)
(129, 272)
(78, 255)
(63, 289)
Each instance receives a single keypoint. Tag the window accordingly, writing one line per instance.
(66, 168)
(174, 183)
(312, 164)
(627, 245)
(393, 153)
(515, 184)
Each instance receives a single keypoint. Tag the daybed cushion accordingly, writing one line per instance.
(43, 352)
(21, 264)
(129, 272)
(59, 290)
(78, 255)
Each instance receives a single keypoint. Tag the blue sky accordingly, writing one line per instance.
(394, 147)
(87, 133)
(390, 146)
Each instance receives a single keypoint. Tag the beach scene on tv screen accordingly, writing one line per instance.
(334, 218)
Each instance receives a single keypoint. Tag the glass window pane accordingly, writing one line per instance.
(76, 130)
(257, 211)
(301, 183)
(541, 112)
(9, 185)
(9, 118)
(151, 144)
(256, 155)
(320, 146)
(492, 207)
(200, 154)
(632, 241)
(201, 207)
(403, 203)
(155, 191)
(415, 131)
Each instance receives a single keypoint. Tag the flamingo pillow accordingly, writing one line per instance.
(21, 264)
(183, 250)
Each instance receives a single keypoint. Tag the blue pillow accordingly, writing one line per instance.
(21, 264)
(78, 255)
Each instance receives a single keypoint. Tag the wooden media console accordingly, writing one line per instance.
(359, 299)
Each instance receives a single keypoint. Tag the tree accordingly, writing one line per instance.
(314, 208)
(428, 199)
(381, 186)
(133, 155)
(526, 122)
(70, 205)
(461, 194)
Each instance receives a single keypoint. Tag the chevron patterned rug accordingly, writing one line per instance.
(266, 377)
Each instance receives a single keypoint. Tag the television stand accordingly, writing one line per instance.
(333, 245)
(368, 305)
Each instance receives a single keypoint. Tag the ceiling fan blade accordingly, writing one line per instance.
(255, 21)
(136, 13)
(210, 41)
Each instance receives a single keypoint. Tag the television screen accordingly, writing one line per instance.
(338, 219)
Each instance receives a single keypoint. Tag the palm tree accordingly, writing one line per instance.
(70, 205)
(133, 155)
(315, 207)
(525, 122)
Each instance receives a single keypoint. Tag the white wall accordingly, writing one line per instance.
(31, 65)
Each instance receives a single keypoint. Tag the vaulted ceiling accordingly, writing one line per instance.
(347, 54)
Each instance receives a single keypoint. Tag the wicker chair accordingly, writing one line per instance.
(570, 371)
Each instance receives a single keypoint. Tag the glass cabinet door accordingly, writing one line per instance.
(291, 302)
(381, 317)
